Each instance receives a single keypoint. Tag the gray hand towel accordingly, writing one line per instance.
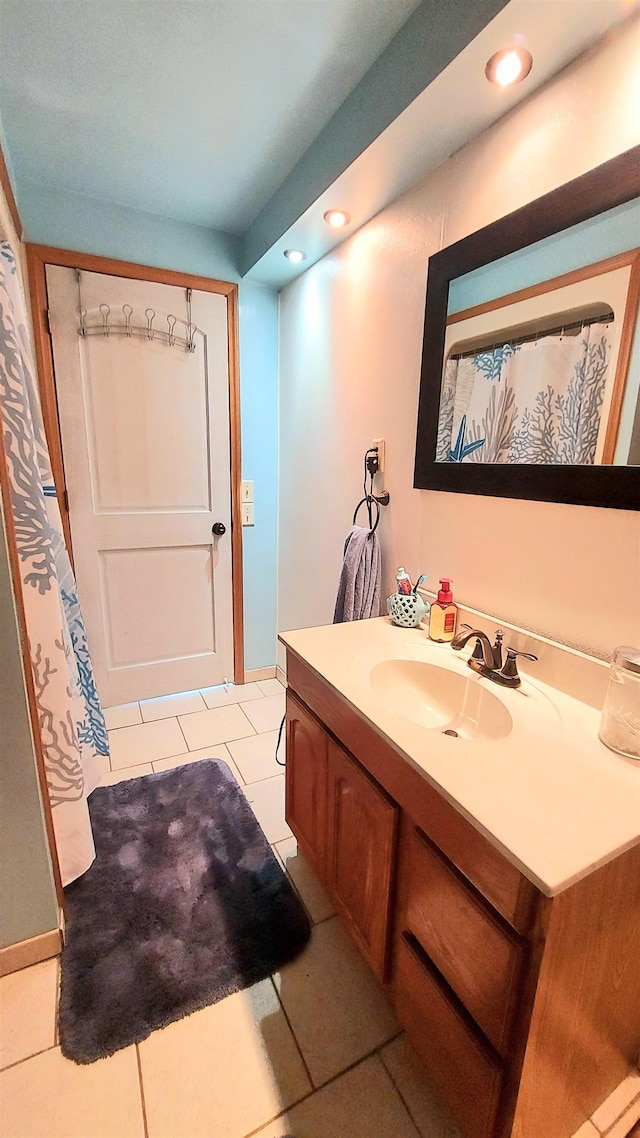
(359, 587)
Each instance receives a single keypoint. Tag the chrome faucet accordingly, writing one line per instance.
(486, 658)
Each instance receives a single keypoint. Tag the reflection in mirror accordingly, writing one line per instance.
(545, 301)
(543, 375)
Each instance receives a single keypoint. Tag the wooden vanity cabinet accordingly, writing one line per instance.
(524, 1009)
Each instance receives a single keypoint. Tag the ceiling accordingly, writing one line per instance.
(195, 111)
(253, 116)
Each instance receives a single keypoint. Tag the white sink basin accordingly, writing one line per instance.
(441, 700)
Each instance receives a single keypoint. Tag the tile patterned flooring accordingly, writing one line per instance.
(313, 1052)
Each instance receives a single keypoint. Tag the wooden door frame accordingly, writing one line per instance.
(38, 257)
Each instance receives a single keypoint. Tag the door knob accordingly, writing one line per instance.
(218, 528)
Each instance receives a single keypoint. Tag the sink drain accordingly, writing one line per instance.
(450, 731)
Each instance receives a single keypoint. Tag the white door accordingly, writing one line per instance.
(145, 440)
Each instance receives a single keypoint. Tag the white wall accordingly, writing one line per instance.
(350, 354)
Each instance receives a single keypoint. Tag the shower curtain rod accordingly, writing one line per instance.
(602, 318)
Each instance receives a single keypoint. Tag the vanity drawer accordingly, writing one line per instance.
(477, 955)
(468, 1076)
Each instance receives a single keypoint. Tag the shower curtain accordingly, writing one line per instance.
(538, 402)
(70, 716)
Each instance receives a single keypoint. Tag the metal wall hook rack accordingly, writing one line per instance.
(109, 325)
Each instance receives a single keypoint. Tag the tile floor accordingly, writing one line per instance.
(312, 1052)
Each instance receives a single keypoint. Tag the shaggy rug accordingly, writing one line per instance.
(184, 904)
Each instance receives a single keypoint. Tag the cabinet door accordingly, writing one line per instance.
(306, 783)
(361, 848)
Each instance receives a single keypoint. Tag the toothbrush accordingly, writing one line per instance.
(421, 578)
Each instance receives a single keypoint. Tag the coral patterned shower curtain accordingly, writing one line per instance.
(70, 717)
(538, 402)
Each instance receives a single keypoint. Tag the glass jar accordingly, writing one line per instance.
(620, 722)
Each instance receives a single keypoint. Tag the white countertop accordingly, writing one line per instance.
(549, 795)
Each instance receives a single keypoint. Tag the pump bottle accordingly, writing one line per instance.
(443, 614)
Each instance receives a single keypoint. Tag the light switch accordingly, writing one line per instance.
(247, 512)
(246, 492)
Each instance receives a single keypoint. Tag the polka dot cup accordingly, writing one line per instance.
(406, 609)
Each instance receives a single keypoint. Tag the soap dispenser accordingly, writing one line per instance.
(443, 614)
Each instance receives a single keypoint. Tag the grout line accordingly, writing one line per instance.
(142, 1102)
(183, 736)
(26, 1058)
(294, 887)
(399, 1092)
(295, 1038)
(619, 1118)
(327, 1083)
(635, 1101)
(266, 778)
(324, 920)
(254, 730)
(243, 781)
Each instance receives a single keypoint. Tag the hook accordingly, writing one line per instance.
(127, 312)
(150, 315)
(82, 312)
(191, 331)
(171, 321)
(105, 310)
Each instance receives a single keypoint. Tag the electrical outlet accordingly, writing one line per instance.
(246, 492)
(379, 443)
(247, 513)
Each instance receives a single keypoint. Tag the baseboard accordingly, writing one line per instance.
(281, 675)
(251, 675)
(32, 951)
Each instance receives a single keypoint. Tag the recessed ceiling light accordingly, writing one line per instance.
(337, 218)
(509, 66)
(295, 255)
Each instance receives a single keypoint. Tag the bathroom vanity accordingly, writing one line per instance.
(490, 878)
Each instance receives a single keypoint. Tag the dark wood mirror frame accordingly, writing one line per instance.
(617, 487)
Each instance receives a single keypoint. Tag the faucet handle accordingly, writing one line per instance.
(478, 651)
(510, 669)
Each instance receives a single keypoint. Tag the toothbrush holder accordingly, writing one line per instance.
(407, 609)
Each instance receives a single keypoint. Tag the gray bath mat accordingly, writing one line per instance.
(184, 904)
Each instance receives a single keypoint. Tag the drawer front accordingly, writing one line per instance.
(467, 1076)
(477, 956)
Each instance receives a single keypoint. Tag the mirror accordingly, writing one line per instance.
(526, 388)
